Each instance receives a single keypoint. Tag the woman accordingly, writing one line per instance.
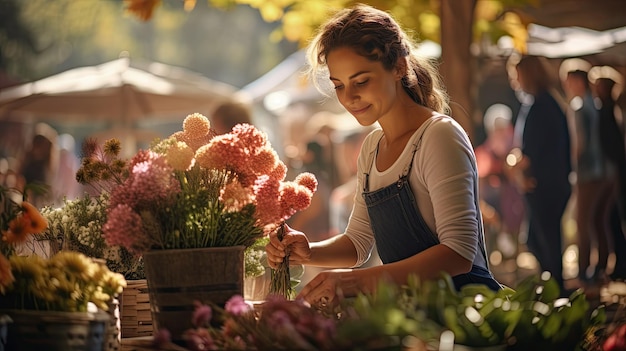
(417, 192)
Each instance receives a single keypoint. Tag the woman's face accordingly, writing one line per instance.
(363, 87)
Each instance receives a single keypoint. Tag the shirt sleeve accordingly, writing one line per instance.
(446, 172)
(358, 229)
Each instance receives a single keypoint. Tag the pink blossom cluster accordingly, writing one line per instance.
(247, 152)
(280, 322)
(254, 175)
(151, 181)
(277, 200)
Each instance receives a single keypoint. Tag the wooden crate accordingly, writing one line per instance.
(136, 317)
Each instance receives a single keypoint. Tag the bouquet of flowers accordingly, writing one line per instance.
(77, 224)
(67, 281)
(381, 321)
(197, 189)
(19, 220)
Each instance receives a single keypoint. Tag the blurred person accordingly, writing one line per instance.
(342, 196)
(315, 218)
(417, 186)
(39, 166)
(64, 184)
(614, 148)
(540, 162)
(496, 189)
(593, 185)
(317, 159)
(228, 114)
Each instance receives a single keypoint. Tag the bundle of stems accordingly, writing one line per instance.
(280, 283)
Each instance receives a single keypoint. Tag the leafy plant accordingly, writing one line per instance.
(77, 224)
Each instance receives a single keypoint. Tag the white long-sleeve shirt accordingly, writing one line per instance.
(444, 181)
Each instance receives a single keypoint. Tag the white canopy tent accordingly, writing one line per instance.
(114, 91)
(114, 98)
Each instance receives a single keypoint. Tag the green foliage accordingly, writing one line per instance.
(533, 315)
(77, 224)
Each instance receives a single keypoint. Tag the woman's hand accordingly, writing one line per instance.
(294, 243)
(328, 287)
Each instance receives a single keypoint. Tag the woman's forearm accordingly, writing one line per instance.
(336, 252)
(427, 265)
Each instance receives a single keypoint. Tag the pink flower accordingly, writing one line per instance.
(124, 228)
(293, 198)
(202, 315)
(264, 161)
(223, 152)
(152, 180)
(161, 338)
(199, 340)
(235, 197)
(236, 305)
(307, 180)
(267, 194)
(250, 136)
(279, 172)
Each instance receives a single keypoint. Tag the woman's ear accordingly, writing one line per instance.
(401, 68)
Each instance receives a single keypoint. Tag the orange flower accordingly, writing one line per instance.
(18, 231)
(30, 221)
(37, 222)
(141, 8)
(6, 276)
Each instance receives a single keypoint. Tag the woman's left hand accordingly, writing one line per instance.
(328, 287)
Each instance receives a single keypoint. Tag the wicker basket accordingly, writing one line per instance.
(113, 336)
(57, 331)
(136, 317)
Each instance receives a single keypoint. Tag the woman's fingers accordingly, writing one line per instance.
(319, 291)
(275, 253)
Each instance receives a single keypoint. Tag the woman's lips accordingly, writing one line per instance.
(357, 111)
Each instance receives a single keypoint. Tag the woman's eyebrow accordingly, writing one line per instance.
(352, 76)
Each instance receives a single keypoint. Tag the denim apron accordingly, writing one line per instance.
(400, 230)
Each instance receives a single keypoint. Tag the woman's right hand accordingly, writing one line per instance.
(294, 243)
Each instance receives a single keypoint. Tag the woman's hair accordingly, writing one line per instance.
(375, 35)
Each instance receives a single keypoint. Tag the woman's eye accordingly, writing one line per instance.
(362, 83)
(337, 87)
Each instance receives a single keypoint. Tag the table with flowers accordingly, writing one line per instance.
(197, 189)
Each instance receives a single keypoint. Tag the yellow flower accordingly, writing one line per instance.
(6, 277)
(180, 156)
(196, 126)
(75, 264)
(29, 271)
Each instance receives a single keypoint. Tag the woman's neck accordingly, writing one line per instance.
(403, 120)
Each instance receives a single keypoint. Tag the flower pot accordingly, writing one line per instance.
(257, 288)
(57, 331)
(178, 278)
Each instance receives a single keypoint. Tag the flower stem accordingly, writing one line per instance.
(280, 278)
